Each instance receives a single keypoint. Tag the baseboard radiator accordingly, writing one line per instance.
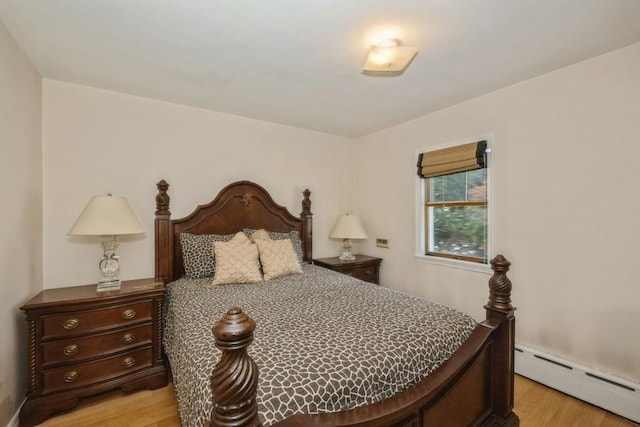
(614, 394)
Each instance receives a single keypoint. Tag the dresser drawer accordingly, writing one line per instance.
(362, 267)
(82, 348)
(80, 374)
(62, 325)
(366, 274)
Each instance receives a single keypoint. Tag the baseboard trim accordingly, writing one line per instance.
(607, 391)
(13, 422)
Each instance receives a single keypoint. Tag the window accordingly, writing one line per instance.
(454, 204)
(456, 216)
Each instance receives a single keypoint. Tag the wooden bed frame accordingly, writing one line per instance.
(473, 388)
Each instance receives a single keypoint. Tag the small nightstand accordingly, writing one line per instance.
(82, 343)
(364, 267)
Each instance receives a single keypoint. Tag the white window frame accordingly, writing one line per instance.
(420, 217)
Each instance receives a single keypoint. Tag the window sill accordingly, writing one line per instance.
(455, 263)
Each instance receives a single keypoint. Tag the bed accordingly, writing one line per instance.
(300, 350)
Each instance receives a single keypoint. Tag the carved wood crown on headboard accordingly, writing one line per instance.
(238, 206)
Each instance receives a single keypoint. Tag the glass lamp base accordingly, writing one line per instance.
(109, 265)
(108, 284)
(346, 254)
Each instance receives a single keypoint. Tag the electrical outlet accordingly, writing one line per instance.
(382, 243)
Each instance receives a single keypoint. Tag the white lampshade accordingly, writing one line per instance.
(348, 226)
(106, 216)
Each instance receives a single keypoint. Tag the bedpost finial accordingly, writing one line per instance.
(306, 203)
(162, 199)
(500, 285)
(234, 330)
(234, 382)
(500, 263)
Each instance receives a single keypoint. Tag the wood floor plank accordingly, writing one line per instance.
(139, 409)
(540, 406)
(535, 404)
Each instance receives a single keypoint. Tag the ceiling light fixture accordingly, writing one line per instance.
(388, 58)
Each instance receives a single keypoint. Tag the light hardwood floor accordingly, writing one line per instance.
(540, 406)
(535, 404)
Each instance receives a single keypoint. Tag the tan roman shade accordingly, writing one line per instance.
(461, 158)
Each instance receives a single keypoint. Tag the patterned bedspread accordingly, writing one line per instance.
(324, 341)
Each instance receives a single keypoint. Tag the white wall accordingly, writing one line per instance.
(97, 141)
(20, 215)
(565, 153)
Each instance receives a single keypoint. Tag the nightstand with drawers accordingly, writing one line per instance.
(364, 267)
(82, 343)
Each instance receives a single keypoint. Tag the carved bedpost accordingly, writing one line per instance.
(234, 382)
(500, 314)
(162, 199)
(500, 286)
(164, 253)
(307, 225)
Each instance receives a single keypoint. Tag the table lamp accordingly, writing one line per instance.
(347, 227)
(108, 217)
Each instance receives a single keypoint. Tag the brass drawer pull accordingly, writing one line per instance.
(71, 323)
(128, 338)
(71, 376)
(128, 314)
(128, 362)
(70, 350)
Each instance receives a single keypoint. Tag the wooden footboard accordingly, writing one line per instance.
(473, 388)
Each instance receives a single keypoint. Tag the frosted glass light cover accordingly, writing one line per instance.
(388, 59)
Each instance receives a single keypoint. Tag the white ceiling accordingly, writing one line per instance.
(298, 62)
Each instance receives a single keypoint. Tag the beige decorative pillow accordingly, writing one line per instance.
(293, 235)
(236, 261)
(260, 235)
(277, 258)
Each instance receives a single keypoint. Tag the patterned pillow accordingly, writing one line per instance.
(196, 253)
(277, 258)
(236, 261)
(294, 236)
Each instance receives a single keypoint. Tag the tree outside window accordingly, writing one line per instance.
(456, 216)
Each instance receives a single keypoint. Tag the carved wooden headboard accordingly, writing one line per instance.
(239, 205)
